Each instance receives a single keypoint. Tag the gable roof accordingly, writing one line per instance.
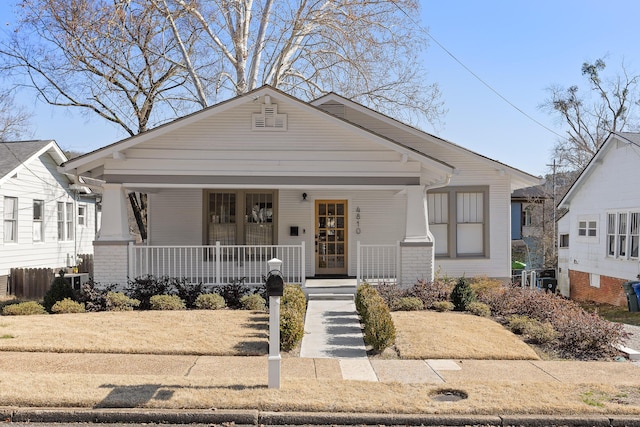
(94, 158)
(523, 179)
(596, 160)
(15, 155)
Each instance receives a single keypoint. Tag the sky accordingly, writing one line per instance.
(519, 48)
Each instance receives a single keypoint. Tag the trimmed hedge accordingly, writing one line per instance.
(293, 308)
(67, 305)
(24, 309)
(167, 302)
(253, 302)
(210, 302)
(118, 301)
(379, 330)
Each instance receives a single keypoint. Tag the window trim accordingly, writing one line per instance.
(563, 240)
(615, 236)
(587, 228)
(39, 222)
(13, 219)
(82, 219)
(240, 197)
(452, 224)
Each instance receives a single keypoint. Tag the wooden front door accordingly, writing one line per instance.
(331, 237)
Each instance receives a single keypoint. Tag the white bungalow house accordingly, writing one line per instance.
(599, 235)
(47, 220)
(329, 186)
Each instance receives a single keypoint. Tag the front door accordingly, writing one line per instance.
(331, 237)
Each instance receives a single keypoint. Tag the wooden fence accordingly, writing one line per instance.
(33, 283)
(30, 283)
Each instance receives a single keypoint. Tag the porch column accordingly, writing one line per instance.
(111, 259)
(416, 250)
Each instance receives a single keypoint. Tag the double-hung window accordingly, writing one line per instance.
(458, 220)
(82, 215)
(65, 221)
(623, 234)
(11, 219)
(38, 220)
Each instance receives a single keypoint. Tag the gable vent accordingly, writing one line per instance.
(269, 118)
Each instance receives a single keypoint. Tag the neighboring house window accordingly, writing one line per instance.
(563, 241)
(527, 216)
(11, 219)
(60, 211)
(623, 234)
(241, 218)
(588, 228)
(65, 221)
(38, 220)
(458, 219)
(82, 215)
(69, 219)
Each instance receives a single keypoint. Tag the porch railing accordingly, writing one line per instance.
(217, 264)
(378, 263)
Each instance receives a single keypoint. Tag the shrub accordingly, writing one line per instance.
(188, 292)
(293, 307)
(431, 292)
(379, 330)
(93, 297)
(462, 295)
(144, 287)
(391, 294)
(210, 302)
(291, 327)
(233, 292)
(479, 309)
(483, 285)
(67, 305)
(580, 334)
(253, 302)
(118, 301)
(167, 302)
(443, 306)
(534, 330)
(58, 291)
(24, 309)
(409, 304)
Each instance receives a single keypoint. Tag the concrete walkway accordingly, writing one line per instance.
(332, 330)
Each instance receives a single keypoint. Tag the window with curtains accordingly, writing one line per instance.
(38, 220)
(11, 219)
(458, 220)
(243, 217)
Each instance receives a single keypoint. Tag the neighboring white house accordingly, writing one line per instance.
(331, 186)
(599, 236)
(47, 221)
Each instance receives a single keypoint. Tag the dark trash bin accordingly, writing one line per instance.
(549, 284)
(551, 273)
(632, 295)
(636, 288)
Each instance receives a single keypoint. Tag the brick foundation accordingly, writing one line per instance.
(609, 292)
(416, 263)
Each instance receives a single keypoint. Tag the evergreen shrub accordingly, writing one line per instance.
(210, 302)
(167, 302)
(24, 309)
(479, 309)
(443, 306)
(68, 305)
(58, 291)
(462, 295)
(379, 330)
(118, 301)
(408, 304)
(253, 302)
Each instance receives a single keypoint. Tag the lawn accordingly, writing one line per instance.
(613, 313)
(194, 334)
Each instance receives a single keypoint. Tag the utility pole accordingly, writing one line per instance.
(554, 167)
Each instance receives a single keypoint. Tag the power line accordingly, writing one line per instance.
(476, 76)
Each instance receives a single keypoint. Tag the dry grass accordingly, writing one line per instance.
(431, 335)
(200, 332)
(192, 381)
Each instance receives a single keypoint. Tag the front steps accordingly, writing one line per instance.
(330, 289)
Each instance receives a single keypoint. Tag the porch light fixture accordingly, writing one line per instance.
(304, 196)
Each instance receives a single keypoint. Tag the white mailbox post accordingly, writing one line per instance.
(274, 278)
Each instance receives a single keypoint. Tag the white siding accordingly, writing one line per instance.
(40, 180)
(612, 187)
(175, 217)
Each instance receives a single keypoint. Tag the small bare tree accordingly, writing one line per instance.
(591, 119)
(14, 120)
